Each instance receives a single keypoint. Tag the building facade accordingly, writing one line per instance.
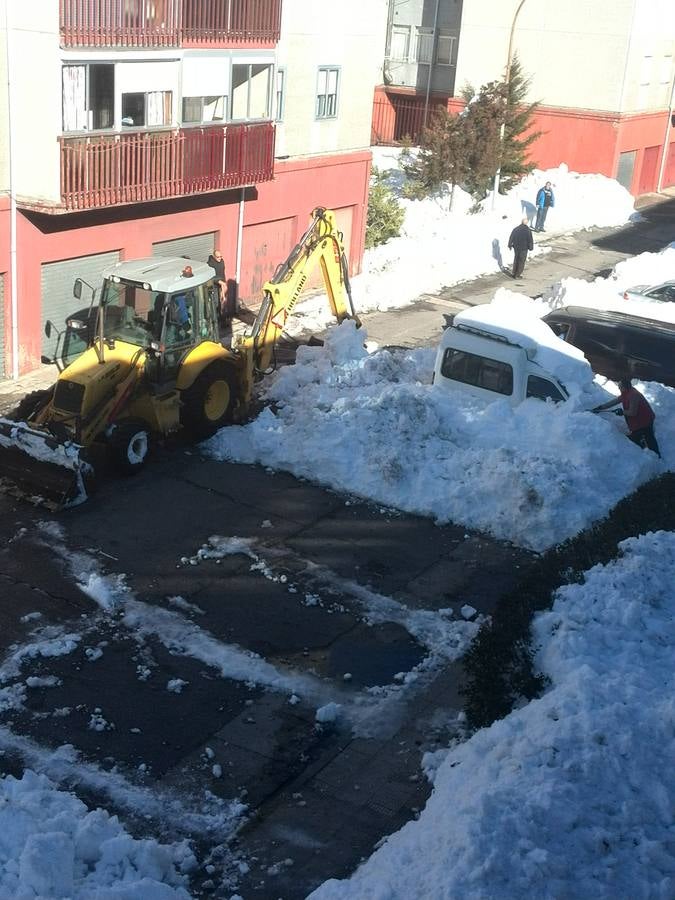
(170, 127)
(603, 72)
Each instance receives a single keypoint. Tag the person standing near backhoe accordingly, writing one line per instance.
(638, 414)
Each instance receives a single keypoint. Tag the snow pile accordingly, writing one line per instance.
(439, 247)
(569, 796)
(607, 293)
(52, 846)
(374, 426)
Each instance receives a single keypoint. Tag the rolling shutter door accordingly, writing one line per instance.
(197, 246)
(2, 326)
(57, 288)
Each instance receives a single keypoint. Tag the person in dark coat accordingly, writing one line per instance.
(638, 414)
(545, 200)
(217, 263)
(520, 242)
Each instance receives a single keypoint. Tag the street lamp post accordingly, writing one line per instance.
(502, 129)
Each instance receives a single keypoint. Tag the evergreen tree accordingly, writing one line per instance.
(385, 213)
(443, 156)
(518, 133)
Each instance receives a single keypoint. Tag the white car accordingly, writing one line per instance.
(663, 293)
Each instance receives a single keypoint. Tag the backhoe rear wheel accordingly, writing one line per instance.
(208, 403)
(130, 443)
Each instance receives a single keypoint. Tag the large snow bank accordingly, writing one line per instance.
(571, 796)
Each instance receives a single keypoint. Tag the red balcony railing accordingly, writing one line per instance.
(103, 170)
(162, 23)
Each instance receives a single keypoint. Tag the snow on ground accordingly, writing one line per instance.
(568, 796)
(438, 247)
(373, 425)
(53, 846)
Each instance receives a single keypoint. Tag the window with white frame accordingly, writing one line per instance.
(666, 69)
(146, 109)
(425, 45)
(280, 94)
(646, 71)
(445, 49)
(399, 50)
(199, 110)
(88, 97)
(327, 92)
(251, 90)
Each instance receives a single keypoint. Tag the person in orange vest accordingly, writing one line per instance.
(638, 414)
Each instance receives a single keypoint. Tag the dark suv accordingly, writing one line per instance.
(618, 344)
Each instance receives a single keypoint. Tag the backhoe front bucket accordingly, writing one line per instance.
(37, 467)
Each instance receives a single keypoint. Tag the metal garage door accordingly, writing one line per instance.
(197, 246)
(2, 326)
(57, 288)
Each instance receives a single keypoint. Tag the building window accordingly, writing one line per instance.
(198, 110)
(251, 91)
(666, 69)
(88, 97)
(280, 94)
(445, 51)
(646, 71)
(149, 109)
(327, 92)
(425, 45)
(400, 43)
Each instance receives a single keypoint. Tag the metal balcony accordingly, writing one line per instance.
(169, 23)
(109, 169)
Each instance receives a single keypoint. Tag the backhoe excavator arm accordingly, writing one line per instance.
(321, 245)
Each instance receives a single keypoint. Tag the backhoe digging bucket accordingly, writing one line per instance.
(39, 468)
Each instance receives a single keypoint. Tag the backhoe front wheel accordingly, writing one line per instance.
(208, 403)
(130, 445)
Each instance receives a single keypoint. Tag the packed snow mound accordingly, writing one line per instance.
(569, 796)
(648, 269)
(52, 846)
(373, 425)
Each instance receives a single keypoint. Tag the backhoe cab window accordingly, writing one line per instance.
(132, 314)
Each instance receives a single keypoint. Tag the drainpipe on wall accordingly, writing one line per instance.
(13, 268)
(240, 234)
(666, 139)
(431, 65)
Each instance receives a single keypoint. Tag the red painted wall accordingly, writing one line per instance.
(339, 181)
(585, 140)
(6, 279)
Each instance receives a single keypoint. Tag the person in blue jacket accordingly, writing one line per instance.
(545, 200)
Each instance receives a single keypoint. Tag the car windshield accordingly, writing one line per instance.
(132, 313)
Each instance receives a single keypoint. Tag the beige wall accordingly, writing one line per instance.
(576, 52)
(4, 144)
(35, 85)
(349, 34)
(651, 57)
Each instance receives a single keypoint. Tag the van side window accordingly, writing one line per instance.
(489, 374)
(542, 389)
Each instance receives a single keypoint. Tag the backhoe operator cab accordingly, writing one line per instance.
(482, 353)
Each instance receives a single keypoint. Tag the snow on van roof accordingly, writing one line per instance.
(520, 325)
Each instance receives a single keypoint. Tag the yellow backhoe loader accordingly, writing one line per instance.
(154, 364)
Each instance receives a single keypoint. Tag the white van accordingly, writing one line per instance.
(490, 353)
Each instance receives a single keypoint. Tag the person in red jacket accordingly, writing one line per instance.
(638, 414)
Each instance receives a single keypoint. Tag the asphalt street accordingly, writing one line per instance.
(185, 683)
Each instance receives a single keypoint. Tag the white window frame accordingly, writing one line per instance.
(146, 111)
(223, 99)
(270, 88)
(646, 70)
(403, 31)
(666, 68)
(424, 46)
(329, 110)
(88, 112)
(446, 37)
(279, 93)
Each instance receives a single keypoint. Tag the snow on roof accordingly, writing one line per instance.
(520, 325)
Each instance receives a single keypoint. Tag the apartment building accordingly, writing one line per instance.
(603, 72)
(134, 128)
